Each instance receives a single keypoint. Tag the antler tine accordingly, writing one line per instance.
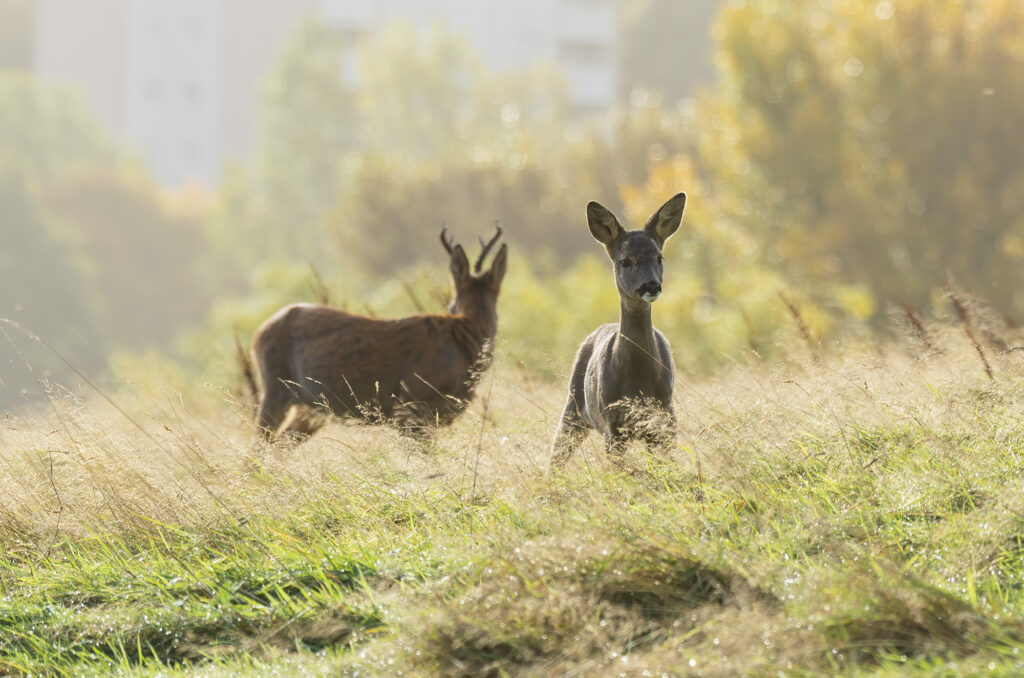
(447, 242)
(487, 246)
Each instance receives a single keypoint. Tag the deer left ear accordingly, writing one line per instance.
(603, 225)
(498, 266)
(459, 264)
(666, 220)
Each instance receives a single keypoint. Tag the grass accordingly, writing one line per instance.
(858, 516)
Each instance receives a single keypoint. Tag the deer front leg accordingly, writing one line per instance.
(620, 427)
(570, 433)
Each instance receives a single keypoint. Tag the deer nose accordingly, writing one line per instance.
(650, 291)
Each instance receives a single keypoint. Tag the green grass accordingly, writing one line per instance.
(862, 517)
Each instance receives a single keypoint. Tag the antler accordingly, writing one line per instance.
(447, 242)
(487, 246)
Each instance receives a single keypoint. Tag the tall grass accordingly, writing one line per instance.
(860, 514)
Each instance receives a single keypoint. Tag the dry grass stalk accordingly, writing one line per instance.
(962, 312)
(318, 287)
(751, 341)
(805, 331)
(410, 292)
(917, 324)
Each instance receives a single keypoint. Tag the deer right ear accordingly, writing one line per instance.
(603, 225)
(459, 264)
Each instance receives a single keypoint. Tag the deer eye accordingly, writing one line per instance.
(626, 263)
(660, 259)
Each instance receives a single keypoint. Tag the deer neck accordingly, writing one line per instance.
(478, 327)
(635, 342)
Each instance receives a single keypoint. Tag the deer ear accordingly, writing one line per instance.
(498, 266)
(603, 224)
(459, 264)
(666, 220)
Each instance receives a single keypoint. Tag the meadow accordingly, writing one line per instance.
(852, 510)
(844, 492)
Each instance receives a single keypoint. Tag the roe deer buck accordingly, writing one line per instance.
(621, 365)
(416, 372)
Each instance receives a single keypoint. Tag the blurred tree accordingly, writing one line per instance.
(535, 182)
(309, 121)
(93, 257)
(43, 290)
(142, 256)
(666, 47)
(415, 94)
(877, 141)
(722, 294)
(431, 136)
(46, 130)
(426, 95)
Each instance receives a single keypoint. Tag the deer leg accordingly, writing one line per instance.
(274, 406)
(571, 432)
(615, 444)
(301, 423)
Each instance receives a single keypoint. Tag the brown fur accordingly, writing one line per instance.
(417, 372)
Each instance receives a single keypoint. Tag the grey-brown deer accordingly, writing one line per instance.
(622, 378)
(417, 372)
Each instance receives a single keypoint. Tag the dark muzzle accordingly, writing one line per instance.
(652, 288)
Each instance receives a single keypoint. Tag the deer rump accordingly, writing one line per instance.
(417, 372)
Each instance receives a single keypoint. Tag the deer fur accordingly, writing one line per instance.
(417, 372)
(624, 370)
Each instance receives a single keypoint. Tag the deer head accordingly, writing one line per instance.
(473, 290)
(636, 255)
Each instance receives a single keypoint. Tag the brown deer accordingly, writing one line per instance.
(623, 369)
(417, 372)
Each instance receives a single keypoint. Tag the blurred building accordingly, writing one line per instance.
(180, 80)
